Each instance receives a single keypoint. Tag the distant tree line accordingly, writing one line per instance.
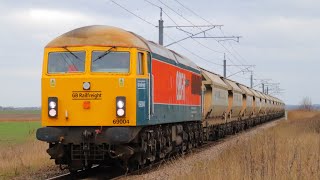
(10, 108)
(6, 108)
(306, 104)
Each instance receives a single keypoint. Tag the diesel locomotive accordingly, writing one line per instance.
(110, 96)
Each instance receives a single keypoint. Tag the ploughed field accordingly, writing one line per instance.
(17, 115)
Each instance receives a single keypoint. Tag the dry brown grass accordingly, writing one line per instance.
(291, 150)
(20, 159)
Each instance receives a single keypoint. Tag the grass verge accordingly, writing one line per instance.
(23, 159)
(290, 150)
(20, 153)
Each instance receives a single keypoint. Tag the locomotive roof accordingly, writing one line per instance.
(99, 35)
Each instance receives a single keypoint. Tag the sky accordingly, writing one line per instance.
(280, 37)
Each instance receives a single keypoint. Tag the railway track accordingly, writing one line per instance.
(96, 172)
(115, 173)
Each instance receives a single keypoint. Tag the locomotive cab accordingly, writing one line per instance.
(94, 86)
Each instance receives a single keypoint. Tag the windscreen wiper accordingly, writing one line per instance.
(104, 54)
(65, 47)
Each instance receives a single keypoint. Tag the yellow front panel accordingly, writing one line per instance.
(105, 87)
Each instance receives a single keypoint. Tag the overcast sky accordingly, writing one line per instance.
(280, 37)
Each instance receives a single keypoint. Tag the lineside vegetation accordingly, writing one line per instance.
(290, 150)
(20, 154)
(23, 159)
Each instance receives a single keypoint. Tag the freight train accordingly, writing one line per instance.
(110, 96)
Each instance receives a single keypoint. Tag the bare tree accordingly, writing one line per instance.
(306, 104)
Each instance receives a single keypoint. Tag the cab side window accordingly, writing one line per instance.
(140, 63)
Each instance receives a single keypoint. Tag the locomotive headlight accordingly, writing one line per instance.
(121, 106)
(52, 107)
(52, 104)
(86, 86)
(120, 112)
(52, 112)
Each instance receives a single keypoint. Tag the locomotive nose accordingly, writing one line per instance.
(93, 100)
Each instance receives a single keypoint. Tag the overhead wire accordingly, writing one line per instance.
(144, 20)
(196, 41)
(204, 59)
(236, 52)
(121, 6)
(256, 73)
(208, 23)
(213, 50)
(199, 29)
(191, 52)
(148, 22)
(133, 13)
(193, 12)
(197, 16)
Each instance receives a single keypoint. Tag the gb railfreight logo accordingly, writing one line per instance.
(85, 95)
(181, 85)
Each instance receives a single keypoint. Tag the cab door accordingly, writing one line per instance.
(143, 88)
